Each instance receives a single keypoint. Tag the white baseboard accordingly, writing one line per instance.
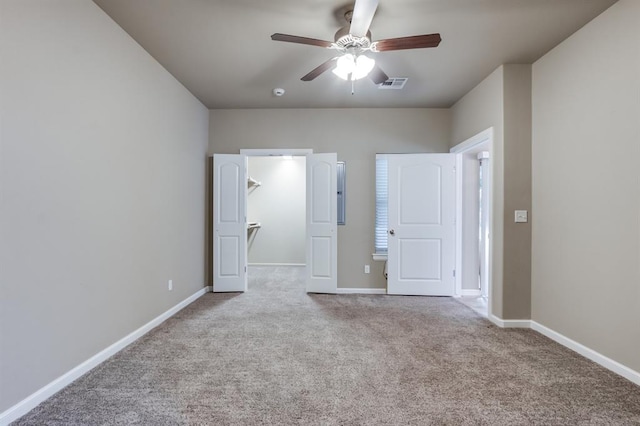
(362, 290)
(470, 293)
(614, 366)
(277, 264)
(589, 353)
(32, 401)
(502, 323)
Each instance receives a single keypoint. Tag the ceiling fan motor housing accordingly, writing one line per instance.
(345, 40)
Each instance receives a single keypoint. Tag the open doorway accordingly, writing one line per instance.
(276, 211)
(276, 206)
(473, 221)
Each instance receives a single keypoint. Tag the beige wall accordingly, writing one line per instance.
(279, 204)
(586, 186)
(102, 189)
(356, 135)
(502, 102)
(516, 178)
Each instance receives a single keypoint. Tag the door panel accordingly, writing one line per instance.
(321, 257)
(322, 241)
(321, 190)
(229, 246)
(421, 224)
(416, 210)
(419, 259)
(230, 223)
(230, 175)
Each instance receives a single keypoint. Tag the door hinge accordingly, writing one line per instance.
(245, 269)
(454, 272)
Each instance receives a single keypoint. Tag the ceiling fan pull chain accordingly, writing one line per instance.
(353, 88)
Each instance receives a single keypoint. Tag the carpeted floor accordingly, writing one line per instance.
(276, 355)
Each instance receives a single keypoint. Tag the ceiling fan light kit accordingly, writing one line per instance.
(351, 67)
(352, 64)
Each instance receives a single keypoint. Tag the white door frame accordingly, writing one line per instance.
(484, 165)
(275, 152)
(484, 137)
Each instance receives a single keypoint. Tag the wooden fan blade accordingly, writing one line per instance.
(301, 40)
(377, 75)
(413, 42)
(363, 12)
(325, 66)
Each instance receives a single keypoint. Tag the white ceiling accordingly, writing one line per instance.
(222, 52)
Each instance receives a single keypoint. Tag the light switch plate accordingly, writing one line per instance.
(522, 216)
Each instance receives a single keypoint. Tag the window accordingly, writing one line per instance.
(382, 202)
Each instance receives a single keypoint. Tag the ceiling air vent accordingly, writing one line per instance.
(393, 83)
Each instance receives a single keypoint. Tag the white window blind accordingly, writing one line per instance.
(382, 202)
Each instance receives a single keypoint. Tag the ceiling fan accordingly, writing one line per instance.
(354, 41)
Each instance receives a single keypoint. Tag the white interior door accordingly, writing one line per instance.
(229, 223)
(322, 239)
(421, 247)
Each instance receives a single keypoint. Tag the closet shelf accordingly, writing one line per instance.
(252, 182)
(253, 225)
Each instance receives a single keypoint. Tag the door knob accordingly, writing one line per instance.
(392, 232)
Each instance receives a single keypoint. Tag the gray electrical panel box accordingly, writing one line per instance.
(342, 185)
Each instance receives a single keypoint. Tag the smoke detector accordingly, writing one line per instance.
(278, 91)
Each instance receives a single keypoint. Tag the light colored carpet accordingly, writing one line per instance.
(276, 355)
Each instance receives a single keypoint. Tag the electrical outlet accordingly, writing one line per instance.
(367, 269)
(170, 285)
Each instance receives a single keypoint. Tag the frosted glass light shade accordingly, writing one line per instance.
(346, 63)
(364, 65)
(349, 67)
